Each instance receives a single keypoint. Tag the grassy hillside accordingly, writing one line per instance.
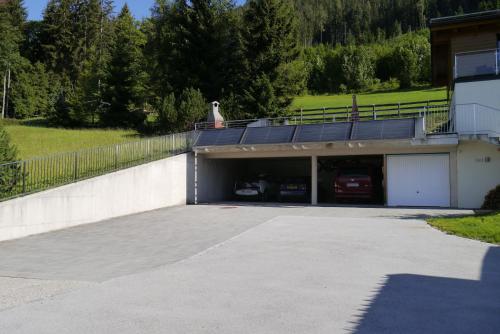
(33, 141)
(319, 101)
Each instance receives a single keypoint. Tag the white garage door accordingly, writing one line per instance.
(418, 180)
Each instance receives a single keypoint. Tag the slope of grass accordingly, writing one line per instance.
(319, 101)
(479, 227)
(34, 141)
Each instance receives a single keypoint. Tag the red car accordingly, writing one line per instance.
(354, 183)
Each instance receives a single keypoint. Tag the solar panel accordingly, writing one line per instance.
(220, 137)
(323, 132)
(384, 129)
(269, 135)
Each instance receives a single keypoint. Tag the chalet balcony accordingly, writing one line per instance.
(477, 64)
(477, 120)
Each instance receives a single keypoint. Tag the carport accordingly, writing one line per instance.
(219, 175)
(390, 149)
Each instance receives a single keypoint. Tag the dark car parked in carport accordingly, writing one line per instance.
(354, 183)
(296, 188)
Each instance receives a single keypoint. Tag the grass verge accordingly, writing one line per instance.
(484, 227)
(34, 141)
(396, 96)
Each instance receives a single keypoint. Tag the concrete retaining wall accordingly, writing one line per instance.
(146, 187)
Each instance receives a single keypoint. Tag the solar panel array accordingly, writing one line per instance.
(328, 132)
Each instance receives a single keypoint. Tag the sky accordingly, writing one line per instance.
(139, 8)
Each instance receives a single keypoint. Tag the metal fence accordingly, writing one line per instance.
(28, 176)
(477, 63)
(436, 113)
(477, 119)
(438, 120)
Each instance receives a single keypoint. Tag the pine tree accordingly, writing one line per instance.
(205, 30)
(126, 79)
(270, 41)
(11, 21)
(57, 38)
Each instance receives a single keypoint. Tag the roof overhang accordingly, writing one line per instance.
(328, 148)
(465, 20)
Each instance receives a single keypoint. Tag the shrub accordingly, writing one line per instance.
(357, 67)
(191, 108)
(410, 59)
(7, 150)
(167, 115)
(492, 199)
(9, 174)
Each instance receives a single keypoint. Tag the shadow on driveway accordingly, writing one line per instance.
(408, 303)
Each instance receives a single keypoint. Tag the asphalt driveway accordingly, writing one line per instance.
(249, 269)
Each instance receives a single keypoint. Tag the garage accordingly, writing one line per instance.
(418, 180)
(351, 179)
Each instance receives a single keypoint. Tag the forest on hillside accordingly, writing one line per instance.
(362, 21)
(88, 64)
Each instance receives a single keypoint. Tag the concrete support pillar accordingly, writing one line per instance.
(195, 177)
(314, 180)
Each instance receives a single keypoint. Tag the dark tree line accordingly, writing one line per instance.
(366, 21)
(84, 65)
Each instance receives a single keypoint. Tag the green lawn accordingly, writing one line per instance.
(319, 101)
(36, 139)
(33, 141)
(480, 227)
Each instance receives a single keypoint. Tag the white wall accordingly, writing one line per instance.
(146, 187)
(215, 180)
(484, 92)
(475, 175)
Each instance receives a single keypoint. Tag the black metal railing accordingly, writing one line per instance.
(435, 112)
(24, 177)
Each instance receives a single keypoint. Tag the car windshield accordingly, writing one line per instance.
(247, 184)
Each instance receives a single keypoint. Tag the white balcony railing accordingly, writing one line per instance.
(477, 63)
(476, 119)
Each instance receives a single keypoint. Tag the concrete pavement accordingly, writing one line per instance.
(247, 269)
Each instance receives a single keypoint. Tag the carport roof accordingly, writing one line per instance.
(309, 133)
